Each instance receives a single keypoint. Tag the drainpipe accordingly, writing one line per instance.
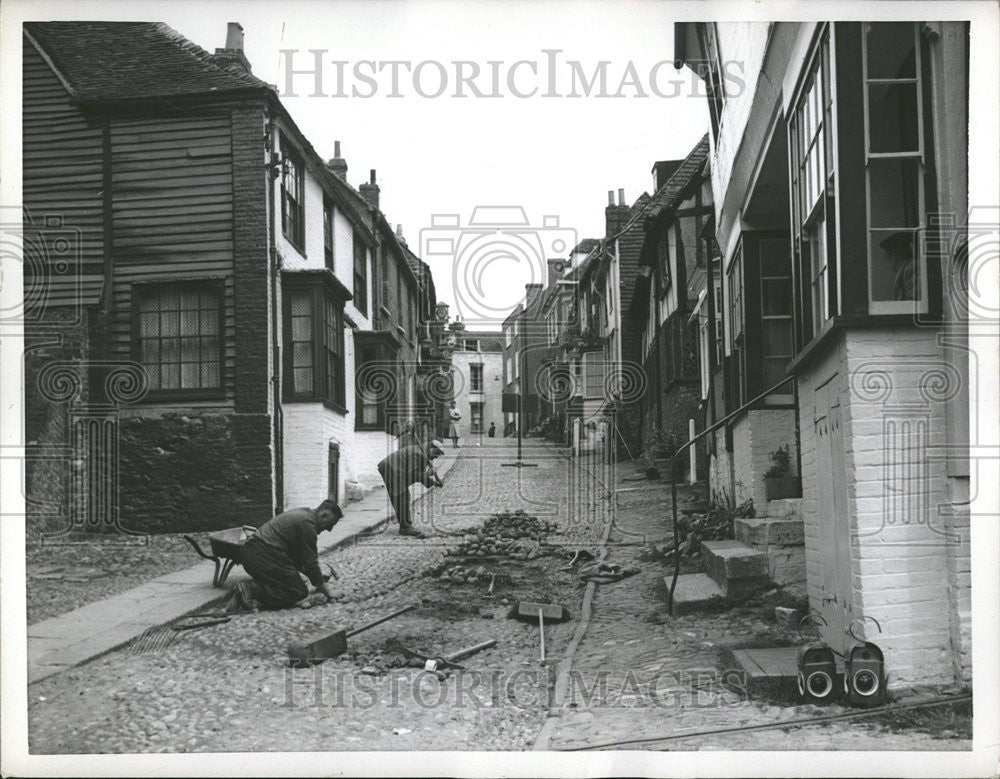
(274, 266)
(712, 335)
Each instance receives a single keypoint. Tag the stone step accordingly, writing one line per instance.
(785, 508)
(737, 568)
(763, 532)
(695, 591)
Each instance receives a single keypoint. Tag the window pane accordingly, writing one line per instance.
(774, 370)
(190, 375)
(149, 324)
(303, 378)
(775, 259)
(210, 322)
(891, 50)
(210, 374)
(777, 297)
(894, 192)
(892, 118)
(302, 355)
(776, 337)
(170, 376)
(894, 273)
(169, 323)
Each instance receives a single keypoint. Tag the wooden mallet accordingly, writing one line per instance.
(324, 646)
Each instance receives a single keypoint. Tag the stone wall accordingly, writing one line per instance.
(194, 470)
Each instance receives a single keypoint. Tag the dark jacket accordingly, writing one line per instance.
(293, 533)
(407, 465)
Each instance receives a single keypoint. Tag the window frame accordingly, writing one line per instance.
(360, 279)
(321, 300)
(214, 285)
(817, 219)
(588, 364)
(474, 369)
(329, 234)
(919, 305)
(293, 170)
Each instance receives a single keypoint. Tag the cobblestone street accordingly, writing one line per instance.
(229, 688)
(635, 672)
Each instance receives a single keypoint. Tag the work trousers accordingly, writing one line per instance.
(277, 584)
(401, 505)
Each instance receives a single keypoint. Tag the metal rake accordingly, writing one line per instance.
(158, 638)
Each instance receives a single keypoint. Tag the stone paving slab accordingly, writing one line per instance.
(66, 640)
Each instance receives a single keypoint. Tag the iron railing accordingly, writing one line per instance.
(684, 447)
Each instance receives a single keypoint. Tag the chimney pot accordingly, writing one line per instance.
(336, 148)
(621, 197)
(611, 197)
(399, 230)
(234, 36)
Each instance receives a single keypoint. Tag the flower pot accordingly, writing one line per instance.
(778, 487)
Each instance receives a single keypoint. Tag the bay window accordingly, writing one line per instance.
(813, 172)
(313, 335)
(894, 156)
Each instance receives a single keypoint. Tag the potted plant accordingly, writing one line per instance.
(779, 482)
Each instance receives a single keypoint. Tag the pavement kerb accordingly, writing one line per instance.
(43, 663)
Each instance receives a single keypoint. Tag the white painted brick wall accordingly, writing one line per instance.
(760, 433)
(904, 573)
(309, 429)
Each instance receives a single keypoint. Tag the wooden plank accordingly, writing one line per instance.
(748, 663)
(778, 661)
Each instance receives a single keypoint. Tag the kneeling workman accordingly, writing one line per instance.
(281, 548)
(409, 465)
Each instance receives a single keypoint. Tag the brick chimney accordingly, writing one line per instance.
(232, 57)
(557, 269)
(370, 191)
(615, 216)
(338, 165)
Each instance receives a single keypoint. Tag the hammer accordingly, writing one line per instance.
(433, 663)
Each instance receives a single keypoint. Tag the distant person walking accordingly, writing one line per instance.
(454, 416)
(493, 430)
(409, 465)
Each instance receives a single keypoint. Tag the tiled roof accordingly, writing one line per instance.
(667, 195)
(586, 245)
(130, 60)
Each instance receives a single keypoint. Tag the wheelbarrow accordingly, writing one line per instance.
(227, 550)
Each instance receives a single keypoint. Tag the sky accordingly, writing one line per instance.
(555, 153)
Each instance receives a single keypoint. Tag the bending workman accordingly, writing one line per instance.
(274, 556)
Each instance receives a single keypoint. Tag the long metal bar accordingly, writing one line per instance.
(673, 482)
(380, 620)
